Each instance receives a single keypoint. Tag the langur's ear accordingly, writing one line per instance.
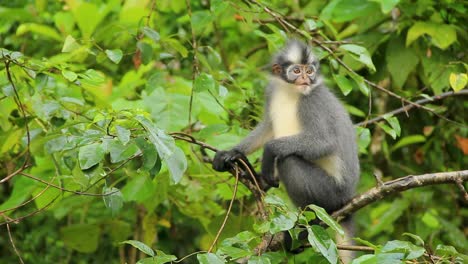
(276, 69)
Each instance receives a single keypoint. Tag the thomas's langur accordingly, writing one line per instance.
(307, 136)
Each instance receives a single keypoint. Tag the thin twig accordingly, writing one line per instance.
(26, 202)
(236, 184)
(355, 248)
(23, 112)
(63, 189)
(16, 220)
(189, 255)
(13, 243)
(195, 67)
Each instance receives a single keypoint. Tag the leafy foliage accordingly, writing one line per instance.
(91, 92)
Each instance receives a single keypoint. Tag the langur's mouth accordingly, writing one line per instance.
(303, 88)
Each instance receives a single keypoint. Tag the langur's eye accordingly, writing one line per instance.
(297, 71)
(309, 71)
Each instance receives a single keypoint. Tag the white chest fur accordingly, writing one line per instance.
(283, 112)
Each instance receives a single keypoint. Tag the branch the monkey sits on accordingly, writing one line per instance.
(308, 139)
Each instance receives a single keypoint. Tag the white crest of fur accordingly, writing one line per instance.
(294, 53)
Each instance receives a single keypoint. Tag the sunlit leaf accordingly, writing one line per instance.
(90, 155)
(210, 258)
(173, 156)
(204, 82)
(326, 218)
(70, 44)
(149, 32)
(69, 75)
(41, 30)
(114, 55)
(112, 199)
(458, 81)
(386, 5)
(442, 35)
(322, 243)
(408, 140)
(140, 246)
(346, 86)
(360, 53)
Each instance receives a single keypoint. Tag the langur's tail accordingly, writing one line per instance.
(346, 256)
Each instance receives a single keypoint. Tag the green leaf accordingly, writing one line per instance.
(430, 219)
(388, 130)
(346, 86)
(327, 219)
(146, 51)
(119, 152)
(204, 82)
(112, 199)
(354, 110)
(259, 260)
(443, 250)
(92, 78)
(385, 215)
(114, 55)
(90, 155)
(160, 258)
(70, 44)
(151, 33)
(42, 30)
(310, 24)
(386, 5)
(88, 16)
(173, 156)
(360, 53)
(55, 144)
(282, 221)
(218, 7)
(233, 252)
(321, 242)
(361, 84)
(139, 189)
(408, 140)
(20, 191)
(364, 139)
(346, 10)
(123, 134)
(177, 46)
(69, 75)
(442, 35)
(411, 251)
(140, 246)
(401, 61)
(210, 258)
(201, 20)
(81, 237)
(394, 123)
(458, 81)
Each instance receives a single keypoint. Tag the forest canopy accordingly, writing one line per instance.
(111, 112)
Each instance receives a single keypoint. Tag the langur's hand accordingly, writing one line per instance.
(223, 160)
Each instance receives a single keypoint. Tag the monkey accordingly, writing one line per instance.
(308, 139)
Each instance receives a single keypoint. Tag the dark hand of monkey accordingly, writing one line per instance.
(223, 160)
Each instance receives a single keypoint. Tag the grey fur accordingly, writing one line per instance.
(326, 131)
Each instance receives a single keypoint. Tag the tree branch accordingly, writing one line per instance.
(399, 185)
(411, 106)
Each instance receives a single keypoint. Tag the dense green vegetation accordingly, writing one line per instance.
(93, 91)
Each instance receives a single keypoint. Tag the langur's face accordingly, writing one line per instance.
(301, 75)
(296, 65)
